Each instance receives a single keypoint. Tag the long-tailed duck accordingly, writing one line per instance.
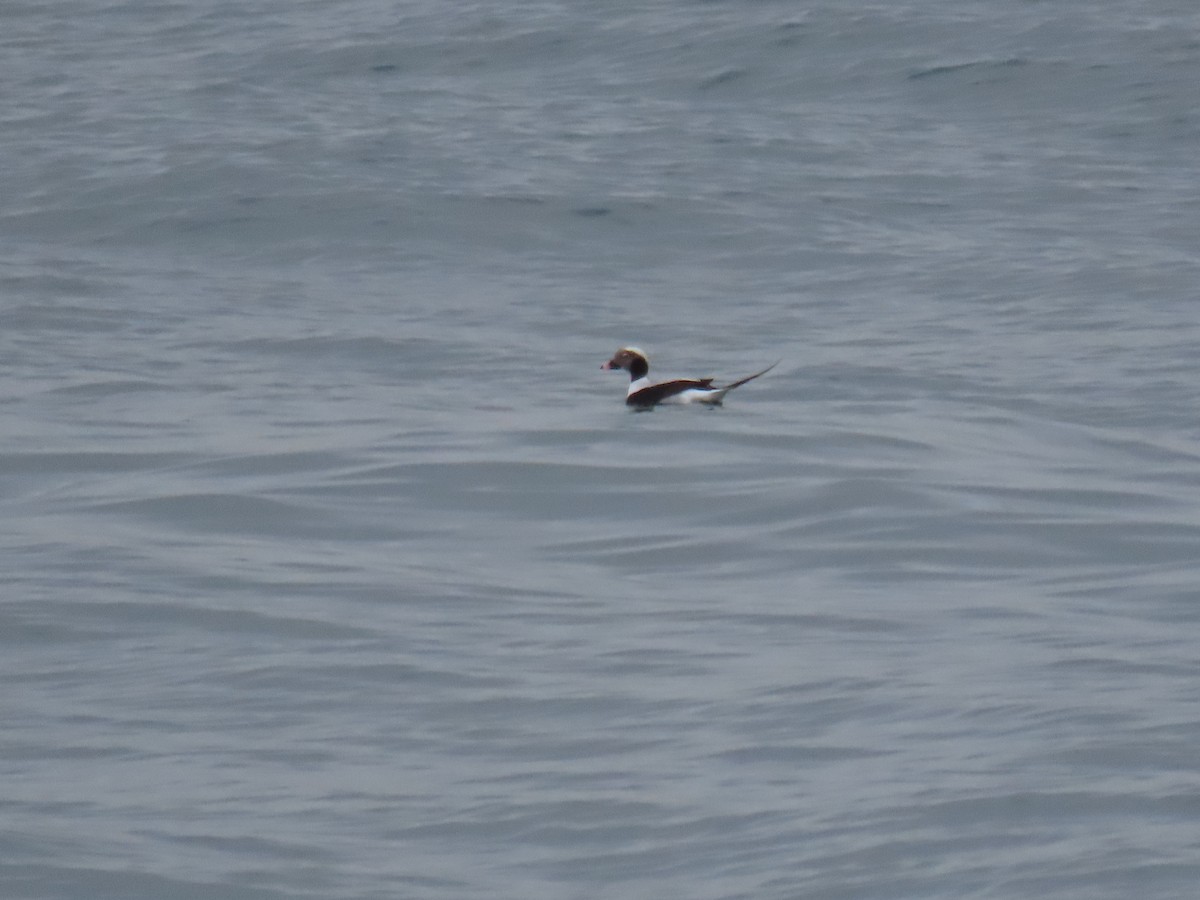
(644, 393)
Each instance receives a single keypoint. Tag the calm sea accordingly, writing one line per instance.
(334, 567)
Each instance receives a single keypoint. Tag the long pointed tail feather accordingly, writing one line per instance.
(730, 387)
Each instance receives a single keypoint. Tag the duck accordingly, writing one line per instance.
(645, 394)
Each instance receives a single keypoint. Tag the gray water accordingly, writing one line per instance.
(334, 567)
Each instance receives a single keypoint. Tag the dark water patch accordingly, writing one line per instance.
(24, 625)
(327, 463)
(246, 845)
(1114, 666)
(724, 77)
(796, 755)
(331, 344)
(236, 514)
(112, 388)
(1161, 750)
(336, 679)
(869, 495)
(1059, 501)
(820, 622)
(86, 463)
(66, 317)
(661, 553)
(120, 617)
(983, 66)
(540, 491)
(127, 884)
(837, 441)
(656, 661)
(18, 751)
(791, 33)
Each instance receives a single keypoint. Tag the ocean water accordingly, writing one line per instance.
(334, 567)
